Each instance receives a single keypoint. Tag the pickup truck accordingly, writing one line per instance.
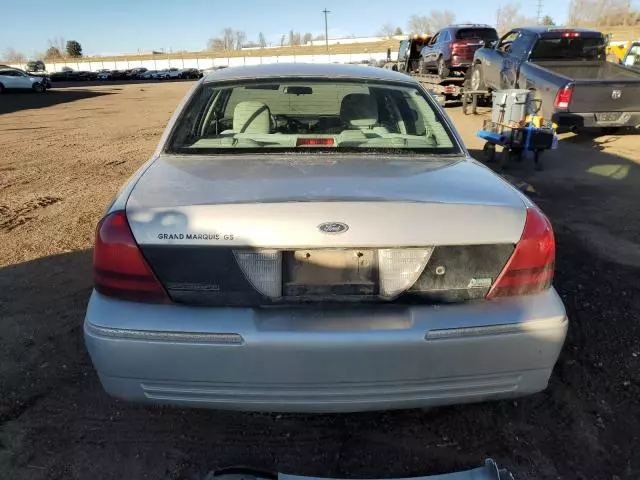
(567, 71)
(631, 57)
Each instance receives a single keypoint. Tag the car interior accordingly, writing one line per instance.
(318, 114)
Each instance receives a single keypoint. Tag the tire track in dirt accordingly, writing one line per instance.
(11, 219)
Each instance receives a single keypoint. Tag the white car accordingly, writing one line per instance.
(14, 79)
(167, 74)
(317, 238)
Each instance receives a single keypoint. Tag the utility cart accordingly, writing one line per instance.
(515, 127)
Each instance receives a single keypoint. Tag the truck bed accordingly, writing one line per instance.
(605, 71)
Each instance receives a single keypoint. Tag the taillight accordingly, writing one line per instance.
(530, 268)
(563, 97)
(119, 269)
(455, 46)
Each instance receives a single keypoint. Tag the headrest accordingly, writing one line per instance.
(359, 110)
(251, 117)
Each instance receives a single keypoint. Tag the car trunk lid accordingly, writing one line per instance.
(244, 230)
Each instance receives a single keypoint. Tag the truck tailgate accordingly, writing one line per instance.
(605, 96)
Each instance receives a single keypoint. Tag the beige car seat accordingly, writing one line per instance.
(251, 117)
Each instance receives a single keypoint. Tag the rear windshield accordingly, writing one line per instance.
(479, 33)
(579, 48)
(311, 114)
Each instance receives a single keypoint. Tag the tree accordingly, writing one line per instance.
(509, 17)
(52, 53)
(440, 19)
(547, 20)
(240, 37)
(262, 41)
(58, 42)
(602, 13)
(228, 38)
(398, 31)
(319, 37)
(419, 24)
(386, 30)
(35, 66)
(11, 55)
(215, 44)
(74, 49)
(282, 40)
(306, 38)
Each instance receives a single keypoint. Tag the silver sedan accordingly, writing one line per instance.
(316, 238)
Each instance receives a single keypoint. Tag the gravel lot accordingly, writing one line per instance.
(65, 154)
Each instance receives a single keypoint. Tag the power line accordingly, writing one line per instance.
(326, 28)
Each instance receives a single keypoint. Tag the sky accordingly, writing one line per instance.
(126, 26)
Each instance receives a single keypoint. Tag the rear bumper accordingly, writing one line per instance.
(325, 360)
(461, 62)
(588, 120)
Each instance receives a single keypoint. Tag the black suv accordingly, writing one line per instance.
(452, 48)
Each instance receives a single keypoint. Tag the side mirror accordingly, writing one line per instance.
(490, 43)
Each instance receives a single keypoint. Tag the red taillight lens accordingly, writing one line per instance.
(530, 268)
(119, 269)
(563, 97)
(315, 142)
(455, 46)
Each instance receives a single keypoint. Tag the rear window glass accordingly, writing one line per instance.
(328, 115)
(479, 33)
(579, 48)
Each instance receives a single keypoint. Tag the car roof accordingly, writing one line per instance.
(276, 70)
(460, 26)
(539, 29)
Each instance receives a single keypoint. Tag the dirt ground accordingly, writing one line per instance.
(64, 155)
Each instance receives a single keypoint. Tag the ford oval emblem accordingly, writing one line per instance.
(333, 228)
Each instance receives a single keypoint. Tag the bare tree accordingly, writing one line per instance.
(441, 18)
(386, 30)
(38, 55)
(419, 24)
(508, 17)
(262, 41)
(602, 13)
(58, 42)
(398, 31)
(11, 55)
(52, 53)
(282, 40)
(215, 44)
(319, 37)
(306, 38)
(240, 37)
(228, 38)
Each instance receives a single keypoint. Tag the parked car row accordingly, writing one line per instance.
(67, 74)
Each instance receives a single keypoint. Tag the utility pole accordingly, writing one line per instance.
(326, 28)
(539, 12)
